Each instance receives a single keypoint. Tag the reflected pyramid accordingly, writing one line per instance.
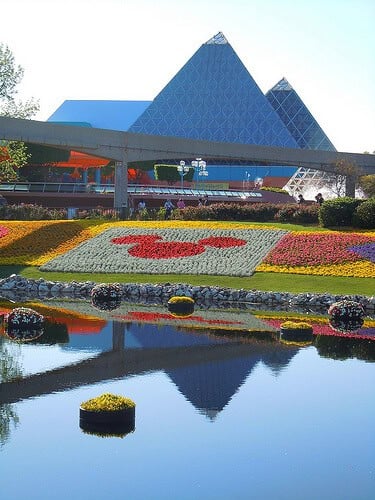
(214, 97)
(210, 386)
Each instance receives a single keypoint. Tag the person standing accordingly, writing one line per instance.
(319, 198)
(181, 204)
(168, 205)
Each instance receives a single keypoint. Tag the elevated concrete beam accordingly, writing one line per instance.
(139, 147)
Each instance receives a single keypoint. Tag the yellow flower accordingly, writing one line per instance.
(108, 402)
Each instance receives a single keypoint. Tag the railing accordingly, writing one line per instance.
(138, 190)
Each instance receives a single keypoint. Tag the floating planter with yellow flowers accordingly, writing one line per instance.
(106, 296)
(181, 306)
(108, 415)
(296, 331)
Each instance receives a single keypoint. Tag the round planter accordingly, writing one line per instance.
(23, 334)
(106, 296)
(181, 309)
(346, 326)
(119, 422)
(296, 334)
(24, 318)
(106, 304)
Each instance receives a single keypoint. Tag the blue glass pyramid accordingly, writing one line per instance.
(297, 118)
(213, 97)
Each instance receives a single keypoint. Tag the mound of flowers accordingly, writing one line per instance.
(346, 316)
(24, 317)
(106, 296)
(24, 324)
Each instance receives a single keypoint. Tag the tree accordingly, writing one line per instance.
(367, 183)
(13, 155)
(344, 171)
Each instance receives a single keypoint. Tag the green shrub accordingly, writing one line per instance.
(274, 190)
(293, 213)
(306, 214)
(338, 212)
(31, 212)
(253, 212)
(364, 215)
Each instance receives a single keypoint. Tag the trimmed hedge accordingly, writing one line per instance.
(364, 216)
(338, 212)
(252, 212)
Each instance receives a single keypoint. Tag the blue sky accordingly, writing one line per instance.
(130, 49)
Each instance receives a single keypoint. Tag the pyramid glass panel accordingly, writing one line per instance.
(213, 97)
(297, 118)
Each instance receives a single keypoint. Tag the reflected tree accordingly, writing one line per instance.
(9, 369)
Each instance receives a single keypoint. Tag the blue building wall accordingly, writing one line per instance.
(111, 115)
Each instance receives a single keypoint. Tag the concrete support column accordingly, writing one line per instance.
(121, 186)
(118, 336)
(350, 186)
(98, 176)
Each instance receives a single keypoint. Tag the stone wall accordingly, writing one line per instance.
(18, 289)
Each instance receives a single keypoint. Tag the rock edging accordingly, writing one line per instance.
(18, 289)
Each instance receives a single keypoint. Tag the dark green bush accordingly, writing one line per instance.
(254, 212)
(364, 215)
(338, 212)
(293, 213)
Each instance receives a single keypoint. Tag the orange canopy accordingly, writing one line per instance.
(82, 160)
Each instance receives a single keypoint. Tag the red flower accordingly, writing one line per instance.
(314, 249)
(3, 231)
(149, 246)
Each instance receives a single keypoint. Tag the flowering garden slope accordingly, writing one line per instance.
(180, 247)
(329, 254)
(235, 252)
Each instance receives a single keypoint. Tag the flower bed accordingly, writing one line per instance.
(338, 254)
(35, 242)
(234, 252)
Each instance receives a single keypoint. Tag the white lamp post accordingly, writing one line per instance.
(182, 170)
(201, 165)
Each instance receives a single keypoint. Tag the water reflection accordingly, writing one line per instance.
(207, 356)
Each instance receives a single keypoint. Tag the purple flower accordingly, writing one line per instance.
(367, 251)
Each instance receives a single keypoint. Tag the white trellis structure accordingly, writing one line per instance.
(304, 179)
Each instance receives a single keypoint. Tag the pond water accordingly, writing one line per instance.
(219, 415)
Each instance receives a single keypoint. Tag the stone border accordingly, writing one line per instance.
(18, 289)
